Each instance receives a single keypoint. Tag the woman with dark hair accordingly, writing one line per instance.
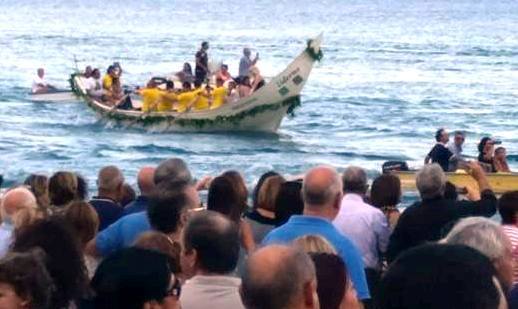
(64, 260)
(24, 281)
(485, 154)
(82, 188)
(185, 75)
(288, 202)
(62, 188)
(239, 183)
(386, 195)
(39, 186)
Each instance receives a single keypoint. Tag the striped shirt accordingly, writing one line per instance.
(512, 232)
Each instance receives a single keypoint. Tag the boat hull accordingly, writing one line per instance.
(58, 96)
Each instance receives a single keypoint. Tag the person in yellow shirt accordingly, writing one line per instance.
(168, 98)
(202, 102)
(219, 95)
(187, 98)
(151, 96)
(108, 78)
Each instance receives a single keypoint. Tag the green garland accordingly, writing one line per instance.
(317, 56)
(73, 86)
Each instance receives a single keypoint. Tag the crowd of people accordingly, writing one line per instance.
(199, 91)
(324, 240)
(450, 156)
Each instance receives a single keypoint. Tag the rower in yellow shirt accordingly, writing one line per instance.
(108, 78)
(151, 96)
(187, 98)
(219, 95)
(168, 98)
(202, 102)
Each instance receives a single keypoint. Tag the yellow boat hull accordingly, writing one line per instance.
(500, 182)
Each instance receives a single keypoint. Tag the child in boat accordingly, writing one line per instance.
(500, 160)
(219, 94)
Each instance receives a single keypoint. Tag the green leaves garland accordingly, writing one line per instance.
(73, 85)
(315, 55)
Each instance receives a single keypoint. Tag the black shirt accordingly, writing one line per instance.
(201, 57)
(426, 220)
(441, 155)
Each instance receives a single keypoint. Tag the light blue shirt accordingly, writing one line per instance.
(298, 226)
(122, 233)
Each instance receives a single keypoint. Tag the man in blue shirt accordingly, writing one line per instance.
(322, 193)
(110, 182)
(146, 185)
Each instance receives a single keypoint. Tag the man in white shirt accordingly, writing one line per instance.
(364, 224)
(39, 85)
(93, 84)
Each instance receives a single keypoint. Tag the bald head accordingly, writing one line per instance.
(110, 179)
(145, 180)
(16, 200)
(277, 277)
(321, 186)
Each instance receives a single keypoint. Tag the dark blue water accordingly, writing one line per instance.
(393, 72)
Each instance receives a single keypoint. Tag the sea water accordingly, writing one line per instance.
(393, 72)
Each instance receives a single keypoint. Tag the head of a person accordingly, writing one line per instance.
(128, 194)
(355, 180)
(135, 278)
(64, 260)
(437, 275)
(259, 184)
(485, 145)
(314, 244)
(239, 183)
(82, 188)
(231, 85)
(254, 72)
(62, 188)
(96, 73)
(219, 82)
(169, 205)
(39, 186)
(145, 180)
(279, 277)
(151, 84)
(334, 287)
(110, 182)
(459, 138)
(500, 153)
(88, 71)
(205, 45)
(508, 207)
(487, 237)
(225, 198)
(41, 72)
(15, 202)
(385, 191)
(83, 219)
(210, 244)
(186, 86)
(431, 181)
(187, 68)
(322, 191)
(245, 81)
(158, 241)
(442, 136)
(25, 281)
(268, 193)
(169, 85)
(111, 71)
(288, 202)
(174, 169)
(197, 84)
(247, 52)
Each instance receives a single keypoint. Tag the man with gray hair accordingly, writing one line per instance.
(487, 237)
(364, 224)
(110, 183)
(322, 195)
(279, 277)
(425, 220)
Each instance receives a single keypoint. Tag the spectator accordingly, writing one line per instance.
(39, 186)
(62, 188)
(146, 185)
(84, 220)
(13, 203)
(364, 224)
(314, 244)
(278, 277)
(288, 202)
(441, 276)
(162, 243)
(386, 195)
(24, 281)
(172, 170)
(322, 194)
(110, 182)
(424, 220)
(487, 237)
(210, 255)
(82, 188)
(128, 195)
(135, 278)
(508, 209)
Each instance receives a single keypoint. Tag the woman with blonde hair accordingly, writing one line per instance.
(257, 79)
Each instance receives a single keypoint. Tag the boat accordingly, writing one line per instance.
(500, 182)
(54, 96)
(262, 111)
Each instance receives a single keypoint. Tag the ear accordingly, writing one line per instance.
(310, 295)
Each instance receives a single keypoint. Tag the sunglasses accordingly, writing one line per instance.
(176, 288)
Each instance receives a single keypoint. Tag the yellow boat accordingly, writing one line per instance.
(500, 182)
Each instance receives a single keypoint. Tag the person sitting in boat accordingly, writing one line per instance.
(108, 78)
(246, 62)
(232, 92)
(244, 88)
(202, 63)
(440, 154)
(185, 75)
(219, 95)
(456, 148)
(151, 97)
(257, 79)
(168, 98)
(223, 73)
(39, 85)
(93, 84)
(203, 93)
(486, 149)
(500, 160)
(88, 72)
(186, 98)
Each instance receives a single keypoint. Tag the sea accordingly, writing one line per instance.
(393, 72)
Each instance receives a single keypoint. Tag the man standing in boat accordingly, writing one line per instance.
(39, 85)
(440, 153)
(202, 63)
(246, 63)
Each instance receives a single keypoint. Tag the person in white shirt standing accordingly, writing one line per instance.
(39, 85)
(364, 224)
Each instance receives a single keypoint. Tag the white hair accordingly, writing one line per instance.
(430, 181)
(481, 234)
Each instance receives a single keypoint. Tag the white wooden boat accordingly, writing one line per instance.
(261, 111)
(54, 96)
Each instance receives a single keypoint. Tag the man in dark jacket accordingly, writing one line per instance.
(426, 220)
